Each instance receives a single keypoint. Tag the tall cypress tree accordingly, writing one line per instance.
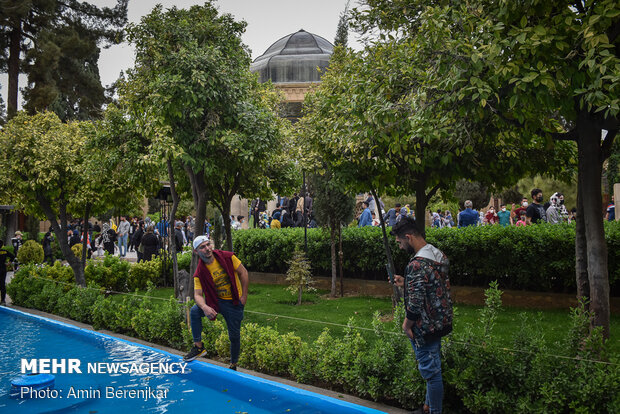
(56, 43)
(342, 32)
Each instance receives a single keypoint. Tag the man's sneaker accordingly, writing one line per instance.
(194, 353)
(233, 367)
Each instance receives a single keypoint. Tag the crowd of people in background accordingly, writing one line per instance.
(146, 238)
(294, 211)
(553, 211)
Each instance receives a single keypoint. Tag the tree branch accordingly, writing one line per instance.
(433, 191)
(608, 143)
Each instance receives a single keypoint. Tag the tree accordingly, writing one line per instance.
(59, 40)
(192, 81)
(247, 159)
(298, 275)
(2, 112)
(548, 71)
(474, 191)
(41, 165)
(342, 31)
(187, 80)
(333, 207)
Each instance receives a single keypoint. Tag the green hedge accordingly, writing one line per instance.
(480, 374)
(537, 258)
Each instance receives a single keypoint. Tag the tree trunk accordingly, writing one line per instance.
(397, 293)
(332, 237)
(421, 201)
(341, 258)
(85, 235)
(590, 172)
(60, 230)
(172, 219)
(226, 219)
(581, 254)
(199, 195)
(299, 295)
(15, 39)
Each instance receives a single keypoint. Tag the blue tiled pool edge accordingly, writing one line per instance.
(318, 401)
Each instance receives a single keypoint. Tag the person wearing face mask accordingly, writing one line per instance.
(536, 212)
(522, 209)
(504, 216)
(428, 306)
(491, 216)
(221, 285)
(557, 213)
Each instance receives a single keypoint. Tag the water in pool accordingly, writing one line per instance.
(203, 388)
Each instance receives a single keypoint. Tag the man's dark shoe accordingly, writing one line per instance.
(194, 353)
(233, 367)
(425, 409)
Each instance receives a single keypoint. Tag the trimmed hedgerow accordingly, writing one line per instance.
(537, 258)
(480, 374)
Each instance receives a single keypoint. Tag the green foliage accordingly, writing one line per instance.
(331, 205)
(60, 273)
(58, 48)
(483, 376)
(77, 250)
(30, 252)
(77, 303)
(480, 373)
(159, 322)
(613, 168)
(184, 260)
(142, 274)
(111, 273)
(476, 192)
(536, 258)
(298, 275)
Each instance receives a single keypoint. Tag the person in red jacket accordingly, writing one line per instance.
(220, 286)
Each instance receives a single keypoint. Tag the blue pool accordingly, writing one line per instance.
(201, 388)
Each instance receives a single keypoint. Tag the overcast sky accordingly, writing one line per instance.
(268, 21)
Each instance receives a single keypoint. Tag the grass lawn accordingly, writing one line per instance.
(280, 305)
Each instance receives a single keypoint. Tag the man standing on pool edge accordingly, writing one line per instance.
(220, 286)
(428, 306)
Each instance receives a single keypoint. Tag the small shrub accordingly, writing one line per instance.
(298, 275)
(184, 260)
(111, 273)
(77, 250)
(143, 273)
(30, 252)
(159, 322)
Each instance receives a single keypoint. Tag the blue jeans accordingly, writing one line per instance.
(122, 242)
(429, 365)
(233, 315)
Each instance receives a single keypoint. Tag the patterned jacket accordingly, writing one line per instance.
(427, 295)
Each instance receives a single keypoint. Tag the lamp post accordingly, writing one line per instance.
(165, 198)
(304, 215)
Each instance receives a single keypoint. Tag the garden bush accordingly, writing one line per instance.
(111, 273)
(30, 252)
(143, 273)
(537, 258)
(480, 373)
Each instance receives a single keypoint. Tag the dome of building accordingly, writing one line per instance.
(294, 59)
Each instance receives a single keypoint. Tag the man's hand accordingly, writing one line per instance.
(243, 299)
(209, 311)
(407, 328)
(399, 280)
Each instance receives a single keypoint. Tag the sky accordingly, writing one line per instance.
(268, 21)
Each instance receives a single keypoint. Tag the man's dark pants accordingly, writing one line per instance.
(233, 315)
